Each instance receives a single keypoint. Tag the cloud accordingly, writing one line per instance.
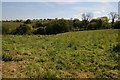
(98, 10)
(58, 9)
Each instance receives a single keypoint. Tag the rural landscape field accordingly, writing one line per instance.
(60, 48)
(63, 55)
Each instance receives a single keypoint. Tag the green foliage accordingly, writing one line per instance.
(38, 24)
(57, 26)
(76, 23)
(24, 29)
(97, 23)
(84, 24)
(105, 24)
(116, 25)
(40, 30)
(92, 26)
(28, 21)
(100, 23)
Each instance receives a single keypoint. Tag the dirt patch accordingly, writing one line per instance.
(84, 75)
(12, 68)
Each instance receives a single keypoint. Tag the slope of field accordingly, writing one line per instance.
(84, 54)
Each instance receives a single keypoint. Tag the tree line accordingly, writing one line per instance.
(55, 26)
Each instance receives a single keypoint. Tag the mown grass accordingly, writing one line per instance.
(84, 54)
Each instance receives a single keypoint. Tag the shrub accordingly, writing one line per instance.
(38, 24)
(117, 25)
(40, 30)
(28, 21)
(92, 26)
(24, 29)
(57, 26)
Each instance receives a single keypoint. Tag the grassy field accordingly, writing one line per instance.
(83, 54)
(8, 27)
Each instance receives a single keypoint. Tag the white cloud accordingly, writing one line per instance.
(97, 12)
(103, 11)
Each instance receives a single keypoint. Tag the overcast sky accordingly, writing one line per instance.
(37, 10)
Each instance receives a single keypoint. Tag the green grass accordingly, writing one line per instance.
(84, 54)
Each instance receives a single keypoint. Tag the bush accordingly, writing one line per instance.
(58, 26)
(76, 23)
(92, 26)
(28, 21)
(40, 30)
(24, 29)
(117, 25)
(38, 24)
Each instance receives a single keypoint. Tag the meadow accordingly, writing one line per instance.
(81, 54)
(9, 26)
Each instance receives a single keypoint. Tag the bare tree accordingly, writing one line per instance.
(113, 16)
(87, 16)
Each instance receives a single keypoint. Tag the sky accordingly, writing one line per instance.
(59, 0)
(37, 10)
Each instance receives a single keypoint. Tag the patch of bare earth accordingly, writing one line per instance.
(84, 75)
(11, 69)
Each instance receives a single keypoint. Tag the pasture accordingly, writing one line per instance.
(82, 54)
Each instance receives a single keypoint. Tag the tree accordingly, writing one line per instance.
(76, 23)
(92, 26)
(28, 21)
(97, 22)
(113, 16)
(117, 25)
(86, 17)
(104, 22)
